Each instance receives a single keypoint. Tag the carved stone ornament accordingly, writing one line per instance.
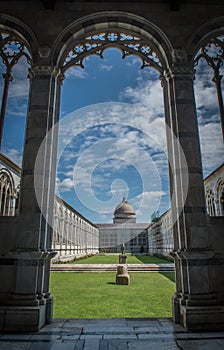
(11, 50)
(44, 51)
(179, 56)
(97, 43)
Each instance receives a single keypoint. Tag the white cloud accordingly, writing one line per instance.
(147, 94)
(212, 147)
(147, 203)
(65, 185)
(15, 155)
(206, 95)
(76, 73)
(106, 67)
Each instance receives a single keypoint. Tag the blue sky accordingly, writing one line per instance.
(112, 139)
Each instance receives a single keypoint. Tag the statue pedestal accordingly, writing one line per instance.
(122, 276)
(122, 259)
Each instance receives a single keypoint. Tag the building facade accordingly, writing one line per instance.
(73, 236)
(214, 191)
(160, 232)
(124, 230)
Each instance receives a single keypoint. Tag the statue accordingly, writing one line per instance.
(122, 249)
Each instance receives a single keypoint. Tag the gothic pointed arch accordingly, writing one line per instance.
(7, 193)
(210, 201)
(207, 43)
(21, 31)
(220, 196)
(93, 34)
(203, 34)
(17, 42)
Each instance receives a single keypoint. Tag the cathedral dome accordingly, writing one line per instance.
(124, 211)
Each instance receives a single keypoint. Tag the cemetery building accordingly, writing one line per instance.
(75, 236)
(160, 232)
(124, 229)
(170, 36)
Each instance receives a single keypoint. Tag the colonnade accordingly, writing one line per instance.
(73, 235)
(72, 34)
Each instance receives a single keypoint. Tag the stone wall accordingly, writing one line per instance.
(133, 235)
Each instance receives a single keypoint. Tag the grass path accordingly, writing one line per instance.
(113, 259)
(96, 295)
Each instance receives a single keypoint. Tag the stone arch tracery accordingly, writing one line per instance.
(207, 43)
(7, 194)
(14, 44)
(220, 197)
(131, 34)
(210, 201)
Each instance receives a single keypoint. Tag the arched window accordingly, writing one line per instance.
(210, 202)
(7, 194)
(220, 197)
(15, 60)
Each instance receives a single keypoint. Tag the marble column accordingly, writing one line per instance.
(194, 304)
(29, 298)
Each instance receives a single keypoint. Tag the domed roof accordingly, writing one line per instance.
(124, 208)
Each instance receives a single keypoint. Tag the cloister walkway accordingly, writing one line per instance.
(113, 334)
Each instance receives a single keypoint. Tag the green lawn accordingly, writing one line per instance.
(96, 295)
(113, 259)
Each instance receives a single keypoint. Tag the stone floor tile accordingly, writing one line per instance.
(40, 346)
(146, 329)
(45, 337)
(51, 330)
(63, 346)
(153, 345)
(15, 346)
(189, 336)
(59, 320)
(91, 336)
(55, 324)
(70, 337)
(117, 345)
(213, 334)
(19, 337)
(72, 330)
(120, 336)
(104, 345)
(92, 344)
(172, 327)
(142, 323)
(109, 329)
(51, 327)
(165, 319)
(160, 336)
(202, 344)
(79, 345)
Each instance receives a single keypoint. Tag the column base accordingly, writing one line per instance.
(22, 318)
(205, 318)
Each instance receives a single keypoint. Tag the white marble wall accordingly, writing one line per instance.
(73, 235)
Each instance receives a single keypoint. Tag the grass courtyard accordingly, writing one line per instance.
(96, 295)
(113, 259)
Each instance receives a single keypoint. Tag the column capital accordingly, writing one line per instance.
(178, 71)
(180, 68)
(46, 70)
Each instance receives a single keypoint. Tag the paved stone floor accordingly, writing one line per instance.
(113, 334)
